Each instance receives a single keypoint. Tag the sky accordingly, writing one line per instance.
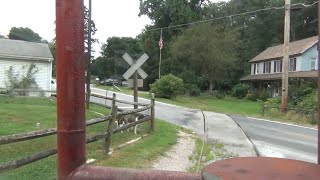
(112, 18)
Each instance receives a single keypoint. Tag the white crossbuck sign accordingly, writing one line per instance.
(135, 66)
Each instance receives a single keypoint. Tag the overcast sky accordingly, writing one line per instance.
(112, 18)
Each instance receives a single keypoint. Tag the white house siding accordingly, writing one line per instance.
(312, 53)
(299, 62)
(43, 76)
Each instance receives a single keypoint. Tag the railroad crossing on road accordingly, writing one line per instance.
(135, 66)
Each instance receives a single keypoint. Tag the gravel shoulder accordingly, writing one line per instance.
(178, 157)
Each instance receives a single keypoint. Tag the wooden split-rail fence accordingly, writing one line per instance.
(106, 136)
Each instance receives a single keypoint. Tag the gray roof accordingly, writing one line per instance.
(25, 50)
(295, 48)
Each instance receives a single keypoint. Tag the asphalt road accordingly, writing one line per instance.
(281, 140)
(271, 139)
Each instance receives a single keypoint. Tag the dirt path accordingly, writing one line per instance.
(177, 158)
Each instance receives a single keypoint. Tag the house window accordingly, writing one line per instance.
(293, 64)
(277, 66)
(267, 67)
(313, 64)
(255, 68)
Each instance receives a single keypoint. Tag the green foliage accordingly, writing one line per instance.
(111, 61)
(276, 100)
(167, 86)
(24, 34)
(192, 89)
(298, 90)
(25, 81)
(252, 96)
(240, 90)
(263, 95)
(310, 101)
(209, 49)
(218, 94)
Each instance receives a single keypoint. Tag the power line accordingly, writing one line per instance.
(231, 16)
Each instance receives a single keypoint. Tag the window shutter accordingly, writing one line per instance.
(280, 66)
(274, 66)
(264, 67)
(294, 64)
(254, 68)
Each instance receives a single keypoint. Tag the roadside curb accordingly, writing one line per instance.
(248, 138)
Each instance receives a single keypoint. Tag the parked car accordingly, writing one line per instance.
(111, 81)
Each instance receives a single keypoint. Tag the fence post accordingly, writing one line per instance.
(114, 96)
(152, 123)
(263, 109)
(110, 129)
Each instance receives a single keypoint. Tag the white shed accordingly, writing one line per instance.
(21, 54)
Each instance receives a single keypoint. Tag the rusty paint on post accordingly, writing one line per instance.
(261, 168)
(99, 173)
(70, 86)
(318, 84)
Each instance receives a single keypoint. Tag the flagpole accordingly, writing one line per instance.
(160, 57)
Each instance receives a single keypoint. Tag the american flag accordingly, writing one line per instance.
(161, 41)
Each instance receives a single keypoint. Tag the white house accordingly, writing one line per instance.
(20, 55)
(266, 68)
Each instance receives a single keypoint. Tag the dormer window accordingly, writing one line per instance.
(277, 66)
(267, 67)
(255, 68)
(293, 64)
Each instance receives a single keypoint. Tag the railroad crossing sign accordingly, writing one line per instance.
(135, 66)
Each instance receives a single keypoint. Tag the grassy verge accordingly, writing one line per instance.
(137, 155)
(211, 152)
(21, 114)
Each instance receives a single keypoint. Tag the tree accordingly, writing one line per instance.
(86, 30)
(208, 48)
(24, 34)
(111, 62)
(2, 37)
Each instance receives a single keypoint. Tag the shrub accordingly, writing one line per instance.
(192, 90)
(310, 101)
(26, 81)
(276, 100)
(252, 96)
(218, 95)
(167, 87)
(263, 95)
(240, 90)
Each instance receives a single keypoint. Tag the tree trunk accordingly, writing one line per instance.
(210, 87)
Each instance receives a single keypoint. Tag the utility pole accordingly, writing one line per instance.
(89, 58)
(285, 81)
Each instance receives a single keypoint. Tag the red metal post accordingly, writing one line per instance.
(71, 86)
(318, 84)
(100, 173)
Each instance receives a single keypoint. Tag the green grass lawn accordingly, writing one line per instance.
(228, 105)
(124, 89)
(137, 155)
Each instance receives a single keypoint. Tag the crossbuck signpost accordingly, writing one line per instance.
(134, 70)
